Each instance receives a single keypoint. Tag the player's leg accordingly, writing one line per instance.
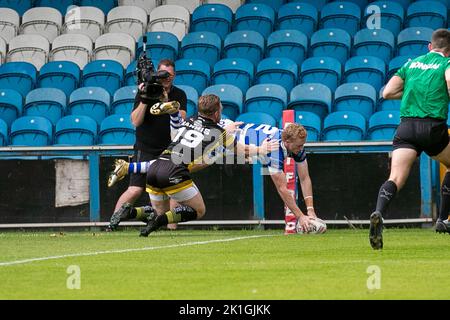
(442, 223)
(173, 204)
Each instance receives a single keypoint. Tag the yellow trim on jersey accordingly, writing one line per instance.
(170, 190)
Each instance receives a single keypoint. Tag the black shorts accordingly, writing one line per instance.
(164, 175)
(139, 179)
(422, 134)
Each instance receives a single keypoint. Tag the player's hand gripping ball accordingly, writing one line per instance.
(316, 226)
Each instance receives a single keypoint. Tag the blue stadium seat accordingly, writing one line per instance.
(325, 70)
(32, 131)
(231, 98)
(76, 131)
(281, 71)
(382, 125)
(274, 4)
(379, 43)
(266, 98)
(430, 14)
(123, 100)
(333, 43)
(370, 70)
(192, 99)
(392, 15)
(19, 5)
(20, 76)
(360, 3)
(255, 16)
(291, 44)
(60, 5)
(201, 45)
(344, 126)
(405, 3)
(387, 105)
(343, 15)
(104, 5)
(244, 44)
(311, 122)
(49, 103)
(63, 75)
(312, 97)
(89, 101)
(116, 129)
(318, 4)
(357, 97)
(107, 74)
(237, 72)
(130, 74)
(3, 133)
(192, 72)
(11, 103)
(160, 45)
(257, 118)
(212, 17)
(413, 41)
(298, 16)
(396, 64)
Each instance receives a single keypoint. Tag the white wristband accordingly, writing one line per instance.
(309, 208)
(307, 197)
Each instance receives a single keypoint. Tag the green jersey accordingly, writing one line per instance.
(425, 89)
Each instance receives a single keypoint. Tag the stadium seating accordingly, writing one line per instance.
(274, 4)
(130, 74)
(413, 41)
(9, 23)
(147, 5)
(11, 102)
(357, 97)
(404, 3)
(2, 50)
(318, 4)
(255, 16)
(232, 4)
(123, 100)
(281, 71)
(192, 72)
(204, 45)
(20, 76)
(257, 118)
(333, 43)
(430, 14)
(127, 19)
(302, 17)
(43, 21)
(89, 101)
(115, 46)
(192, 98)
(244, 44)
(237, 72)
(190, 5)
(382, 125)
(387, 105)
(3, 133)
(60, 5)
(160, 45)
(32, 131)
(379, 43)
(76, 48)
(266, 98)
(63, 75)
(107, 74)
(104, 5)
(32, 48)
(75, 131)
(312, 123)
(392, 15)
(291, 44)
(344, 126)
(342, 15)
(231, 98)
(170, 18)
(370, 70)
(312, 97)
(396, 64)
(116, 130)
(49, 103)
(216, 18)
(20, 6)
(88, 21)
(325, 70)
(360, 3)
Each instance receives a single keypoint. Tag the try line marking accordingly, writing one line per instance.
(188, 244)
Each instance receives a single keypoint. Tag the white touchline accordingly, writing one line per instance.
(9, 263)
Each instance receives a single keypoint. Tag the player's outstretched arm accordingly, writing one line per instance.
(266, 147)
(306, 185)
(393, 89)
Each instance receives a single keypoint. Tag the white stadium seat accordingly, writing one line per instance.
(170, 18)
(32, 48)
(84, 20)
(42, 20)
(191, 5)
(72, 47)
(115, 46)
(127, 19)
(232, 4)
(9, 23)
(147, 5)
(2, 50)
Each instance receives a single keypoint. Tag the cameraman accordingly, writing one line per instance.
(152, 132)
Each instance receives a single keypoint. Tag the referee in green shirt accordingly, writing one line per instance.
(423, 85)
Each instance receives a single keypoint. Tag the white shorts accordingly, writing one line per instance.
(183, 194)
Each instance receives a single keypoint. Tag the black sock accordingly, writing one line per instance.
(386, 194)
(445, 198)
(178, 214)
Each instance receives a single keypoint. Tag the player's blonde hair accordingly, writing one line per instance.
(293, 131)
(208, 104)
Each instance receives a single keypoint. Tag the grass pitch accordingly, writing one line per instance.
(224, 265)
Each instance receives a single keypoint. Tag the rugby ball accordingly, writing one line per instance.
(316, 226)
